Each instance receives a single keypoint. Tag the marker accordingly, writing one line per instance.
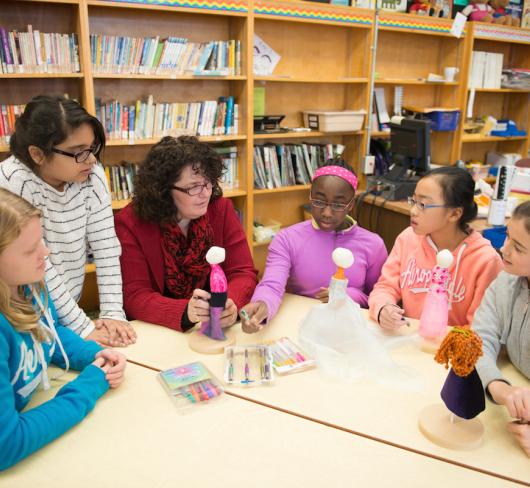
(267, 367)
(231, 366)
(290, 346)
(290, 359)
(247, 370)
(185, 392)
(280, 358)
(247, 367)
(243, 313)
(262, 363)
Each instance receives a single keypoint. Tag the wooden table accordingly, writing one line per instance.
(366, 408)
(135, 438)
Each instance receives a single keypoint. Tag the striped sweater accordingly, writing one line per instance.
(75, 219)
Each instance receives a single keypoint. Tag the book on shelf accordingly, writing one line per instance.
(171, 56)
(525, 15)
(277, 165)
(38, 52)
(230, 179)
(486, 70)
(8, 117)
(120, 180)
(146, 119)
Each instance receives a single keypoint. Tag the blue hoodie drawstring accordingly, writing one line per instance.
(50, 328)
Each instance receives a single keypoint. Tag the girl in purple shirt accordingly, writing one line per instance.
(299, 259)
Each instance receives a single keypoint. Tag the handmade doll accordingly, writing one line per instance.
(462, 393)
(218, 290)
(433, 319)
(479, 11)
(454, 423)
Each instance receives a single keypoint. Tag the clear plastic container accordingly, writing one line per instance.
(248, 365)
(191, 385)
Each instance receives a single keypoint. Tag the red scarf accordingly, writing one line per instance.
(185, 256)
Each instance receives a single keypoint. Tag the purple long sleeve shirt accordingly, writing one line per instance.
(299, 262)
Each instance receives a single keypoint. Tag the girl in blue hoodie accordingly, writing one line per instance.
(31, 338)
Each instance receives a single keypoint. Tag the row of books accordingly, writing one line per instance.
(516, 78)
(121, 180)
(171, 56)
(277, 165)
(38, 52)
(230, 178)
(146, 119)
(486, 70)
(8, 116)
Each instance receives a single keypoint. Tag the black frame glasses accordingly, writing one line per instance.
(422, 206)
(195, 190)
(79, 156)
(335, 207)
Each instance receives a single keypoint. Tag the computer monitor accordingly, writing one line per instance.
(410, 145)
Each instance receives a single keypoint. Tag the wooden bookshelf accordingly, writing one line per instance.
(409, 48)
(15, 76)
(303, 135)
(480, 138)
(501, 103)
(112, 76)
(420, 81)
(325, 63)
(150, 142)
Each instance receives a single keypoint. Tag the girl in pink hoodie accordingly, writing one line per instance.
(441, 208)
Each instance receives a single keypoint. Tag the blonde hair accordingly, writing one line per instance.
(15, 213)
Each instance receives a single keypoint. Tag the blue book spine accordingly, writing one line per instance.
(132, 114)
(229, 119)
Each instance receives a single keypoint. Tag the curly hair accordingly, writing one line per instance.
(461, 347)
(163, 166)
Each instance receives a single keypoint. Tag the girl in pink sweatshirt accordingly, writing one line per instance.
(441, 208)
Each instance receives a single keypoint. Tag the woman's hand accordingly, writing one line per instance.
(252, 315)
(198, 306)
(229, 314)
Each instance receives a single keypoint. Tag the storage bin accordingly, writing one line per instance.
(443, 121)
(329, 121)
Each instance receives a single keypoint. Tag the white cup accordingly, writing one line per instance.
(450, 73)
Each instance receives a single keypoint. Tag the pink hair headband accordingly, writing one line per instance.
(339, 171)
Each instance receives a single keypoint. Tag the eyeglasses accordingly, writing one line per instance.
(422, 206)
(79, 156)
(195, 190)
(335, 207)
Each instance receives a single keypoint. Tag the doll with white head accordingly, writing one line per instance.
(434, 317)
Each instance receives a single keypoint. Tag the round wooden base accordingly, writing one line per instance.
(435, 423)
(430, 346)
(204, 345)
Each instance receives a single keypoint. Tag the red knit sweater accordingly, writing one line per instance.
(142, 264)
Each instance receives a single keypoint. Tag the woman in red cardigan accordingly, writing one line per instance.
(176, 215)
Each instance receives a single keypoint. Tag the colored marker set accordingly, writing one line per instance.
(191, 384)
(287, 357)
(248, 365)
